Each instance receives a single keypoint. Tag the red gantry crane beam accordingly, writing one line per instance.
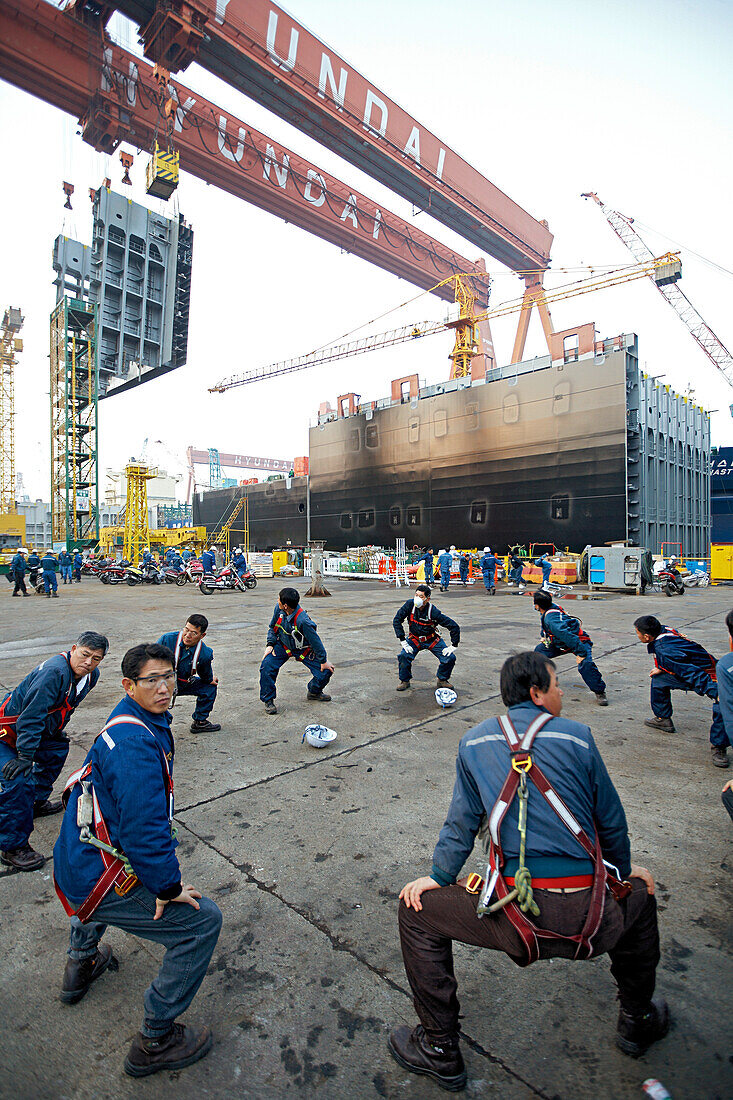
(69, 62)
(256, 46)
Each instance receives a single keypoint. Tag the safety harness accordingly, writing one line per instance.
(118, 872)
(670, 632)
(523, 766)
(582, 636)
(429, 637)
(194, 662)
(8, 733)
(301, 647)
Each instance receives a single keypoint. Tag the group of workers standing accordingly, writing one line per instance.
(68, 563)
(561, 883)
(489, 564)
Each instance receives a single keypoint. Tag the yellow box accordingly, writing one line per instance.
(279, 559)
(721, 561)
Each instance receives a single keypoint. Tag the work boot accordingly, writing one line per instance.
(442, 1062)
(319, 697)
(181, 1047)
(720, 756)
(55, 595)
(204, 727)
(23, 859)
(47, 808)
(403, 685)
(635, 1034)
(443, 684)
(601, 699)
(270, 707)
(80, 973)
(666, 725)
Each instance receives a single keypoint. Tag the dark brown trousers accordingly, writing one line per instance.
(628, 932)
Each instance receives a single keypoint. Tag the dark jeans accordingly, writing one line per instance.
(463, 571)
(17, 796)
(662, 686)
(77, 574)
(189, 936)
(628, 933)
(444, 579)
(205, 696)
(515, 574)
(489, 576)
(49, 580)
(273, 662)
(20, 584)
(404, 660)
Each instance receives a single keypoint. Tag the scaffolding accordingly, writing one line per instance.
(9, 345)
(74, 431)
(137, 529)
(216, 477)
(222, 533)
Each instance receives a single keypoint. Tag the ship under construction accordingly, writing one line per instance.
(581, 448)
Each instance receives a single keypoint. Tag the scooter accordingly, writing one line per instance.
(193, 571)
(670, 580)
(226, 578)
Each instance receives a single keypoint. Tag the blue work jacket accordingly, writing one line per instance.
(128, 777)
(423, 622)
(489, 563)
(686, 660)
(565, 630)
(34, 562)
(49, 563)
(78, 561)
(239, 563)
(284, 633)
(445, 561)
(208, 560)
(566, 752)
(724, 671)
(18, 564)
(186, 555)
(428, 559)
(65, 558)
(185, 658)
(44, 690)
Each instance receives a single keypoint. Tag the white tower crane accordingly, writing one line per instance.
(713, 347)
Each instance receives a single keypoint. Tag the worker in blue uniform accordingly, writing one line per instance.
(445, 562)
(239, 561)
(427, 560)
(556, 879)
(563, 633)
(186, 555)
(176, 561)
(515, 572)
(292, 633)
(123, 796)
(33, 748)
(192, 661)
(681, 665)
(463, 563)
(78, 562)
(724, 675)
(65, 565)
(34, 565)
(546, 566)
(49, 565)
(488, 564)
(208, 560)
(17, 569)
(423, 619)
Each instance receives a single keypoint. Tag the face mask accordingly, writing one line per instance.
(418, 601)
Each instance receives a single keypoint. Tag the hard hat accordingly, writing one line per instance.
(487, 549)
(441, 552)
(318, 736)
(22, 550)
(453, 546)
(445, 697)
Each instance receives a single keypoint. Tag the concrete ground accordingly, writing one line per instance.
(305, 852)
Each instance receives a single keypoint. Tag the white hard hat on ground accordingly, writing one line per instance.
(318, 736)
(445, 697)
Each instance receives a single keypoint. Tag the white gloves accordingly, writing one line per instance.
(407, 647)
(449, 651)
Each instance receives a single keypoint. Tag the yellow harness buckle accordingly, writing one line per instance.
(474, 883)
(127, 883)
(522, 765)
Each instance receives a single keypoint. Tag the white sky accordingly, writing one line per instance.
(628, 99)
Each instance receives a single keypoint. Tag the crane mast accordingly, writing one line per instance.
(698, 328)
(10, 344)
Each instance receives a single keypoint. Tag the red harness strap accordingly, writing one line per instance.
(114, 873)
(529, 933)
(302, 654)
(430, 639)
(712, 670)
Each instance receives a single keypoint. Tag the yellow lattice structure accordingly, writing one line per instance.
(466, 345)
(222, 534)
(10, 344)
(137, 530)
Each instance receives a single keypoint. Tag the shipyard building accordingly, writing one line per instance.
(577, 450)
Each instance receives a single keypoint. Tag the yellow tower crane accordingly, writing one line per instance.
(137, 528)
(10, 345)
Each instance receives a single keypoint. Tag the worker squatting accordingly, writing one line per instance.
(560, 881)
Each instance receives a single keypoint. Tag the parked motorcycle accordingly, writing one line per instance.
(670, 580)
(193, 572)
(171, 575)
(226, 578)
(115, 572)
